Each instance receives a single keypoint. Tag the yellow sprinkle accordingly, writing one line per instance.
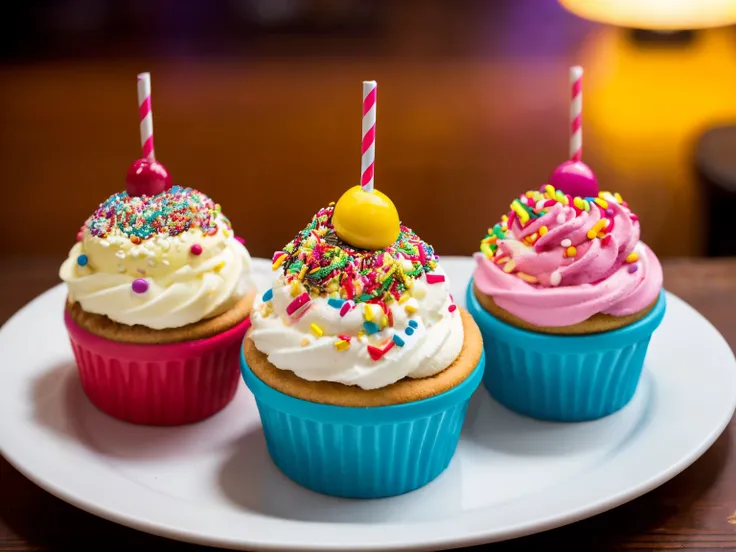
(302, 272)
(578, 202)
(618, 197)
(331, 203)
(529, 194)
(502, 260)
(305, 342)
(571, 251)
(543, 230)
(388, 274)
(361, 333)
(504, 218)
(316, 330)
(316, 269)
(551, 192)
(633, 257)
(519, 210)
(226, 233)
(528, 278)
(384, 321)
(486, 250)
(296, 289)
(219, 266)
(410, 309)
(404, 298)
(342, 344)
(601, 202)
(509, 266)
(593, 232)
(368, 313)
(278, 262)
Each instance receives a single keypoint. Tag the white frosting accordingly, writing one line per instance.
(291, 344)
(182, 288)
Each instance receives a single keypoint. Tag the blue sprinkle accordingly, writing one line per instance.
(336, 302)
(398, 340)
(413, 323)
(268, 295)
(82, 260)
(371, 328)
(409, 330)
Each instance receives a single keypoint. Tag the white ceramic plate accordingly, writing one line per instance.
(213, 483)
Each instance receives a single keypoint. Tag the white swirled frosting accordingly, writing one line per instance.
(367, 318)
(163, 280)
(311, 341)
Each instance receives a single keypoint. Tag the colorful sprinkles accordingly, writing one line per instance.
(532, 205)
(170, 213)
(316, 263)
(322, 264)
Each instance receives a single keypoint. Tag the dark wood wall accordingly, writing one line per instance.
(264, 116)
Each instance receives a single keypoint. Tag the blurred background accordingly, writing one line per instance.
(258, 104)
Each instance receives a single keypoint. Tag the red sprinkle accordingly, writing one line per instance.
(344, 337)
(277, 255)
(376, 353)
(346, 308)
(549, 203)
(239, 240)
(435, 278)
(196, 249)
(512, 218)
(606, 240)
(297, 303)
(422, 253)
(634, 217)
(452, 308)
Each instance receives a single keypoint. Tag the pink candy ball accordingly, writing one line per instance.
(575, 178)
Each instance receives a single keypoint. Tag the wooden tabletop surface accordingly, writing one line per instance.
(694, 511)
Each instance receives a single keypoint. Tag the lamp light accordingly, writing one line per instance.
(656, 15)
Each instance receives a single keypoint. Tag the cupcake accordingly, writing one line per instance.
(360, 362)
(567, 297)
(159, 297)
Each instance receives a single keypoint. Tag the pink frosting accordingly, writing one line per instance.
(596, 279)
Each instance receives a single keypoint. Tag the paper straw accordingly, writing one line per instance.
(576, 113)
(369, 135)
(145, 115)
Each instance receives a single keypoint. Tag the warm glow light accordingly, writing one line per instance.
(672, 15)
(644, 111)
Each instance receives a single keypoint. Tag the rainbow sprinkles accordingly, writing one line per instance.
(317, 263)
(536, 203)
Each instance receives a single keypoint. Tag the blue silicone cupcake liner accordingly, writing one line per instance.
(370, 452)
(563, 378)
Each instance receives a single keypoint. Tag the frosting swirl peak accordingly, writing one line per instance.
(555, 260)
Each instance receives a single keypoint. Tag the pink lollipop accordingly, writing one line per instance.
(575, 177)
(146, 176)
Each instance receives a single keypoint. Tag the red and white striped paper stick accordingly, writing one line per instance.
(576, 113)
(145, 115)
(369, 135)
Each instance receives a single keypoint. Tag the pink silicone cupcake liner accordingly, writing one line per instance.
(163, 385)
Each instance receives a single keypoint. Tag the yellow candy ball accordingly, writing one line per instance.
(366, 220)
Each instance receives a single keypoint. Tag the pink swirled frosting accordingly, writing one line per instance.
(557, 260)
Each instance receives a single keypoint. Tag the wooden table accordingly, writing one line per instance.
(694, 511)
